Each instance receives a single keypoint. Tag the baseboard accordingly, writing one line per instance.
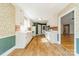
(76, 54)
(68, 34)
(54, 42)
(20, 47)
(9, 51)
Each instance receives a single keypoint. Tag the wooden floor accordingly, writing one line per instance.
(68, 42)
(40, 46)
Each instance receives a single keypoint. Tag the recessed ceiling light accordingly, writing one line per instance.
(39, 19)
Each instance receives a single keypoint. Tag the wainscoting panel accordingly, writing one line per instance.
(77, 45)
(6, 43)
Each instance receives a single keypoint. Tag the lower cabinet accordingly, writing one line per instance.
(23, 39)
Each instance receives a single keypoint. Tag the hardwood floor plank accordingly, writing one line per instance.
(67, 42)
(39, 46)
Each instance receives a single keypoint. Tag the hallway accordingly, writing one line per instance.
(39, 46)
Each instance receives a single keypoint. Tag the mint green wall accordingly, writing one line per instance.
(6, 44)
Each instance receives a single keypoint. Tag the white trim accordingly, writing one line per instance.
(59, 27)
(59, 30)
(76, 54)
(9, 51)
(75, 32)
(66, 12)
(6, 36)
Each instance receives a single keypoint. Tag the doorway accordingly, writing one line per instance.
(39, 28)
(67, 31)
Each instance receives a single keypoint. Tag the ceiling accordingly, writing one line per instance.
(45, 11)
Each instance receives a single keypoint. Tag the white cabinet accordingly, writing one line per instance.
(22, 39)
(51, 36)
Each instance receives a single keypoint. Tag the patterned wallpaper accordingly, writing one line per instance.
(7, 19)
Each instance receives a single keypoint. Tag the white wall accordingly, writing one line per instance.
(19, 16)
(77, 22)
(53, 21)
(23, 36)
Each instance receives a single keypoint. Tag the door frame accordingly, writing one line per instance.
(59, 27)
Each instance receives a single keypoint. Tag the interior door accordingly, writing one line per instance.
(66, 29)
(43, 28)
(39, 29)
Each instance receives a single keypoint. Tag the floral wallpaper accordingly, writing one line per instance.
(7, 19)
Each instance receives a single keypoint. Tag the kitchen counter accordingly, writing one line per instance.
(51, 36)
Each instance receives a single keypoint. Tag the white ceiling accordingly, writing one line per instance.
(45, 11)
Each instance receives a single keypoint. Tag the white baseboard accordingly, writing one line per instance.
(76, 54)
(9, 51)
(20, 47)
